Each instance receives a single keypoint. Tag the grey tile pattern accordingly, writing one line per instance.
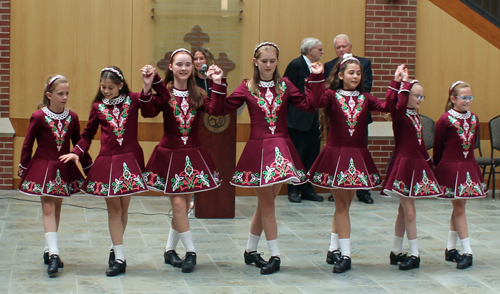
(304, 236)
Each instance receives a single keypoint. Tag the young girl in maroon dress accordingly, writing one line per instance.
(456, 168)
(409, 175)
(53, 127)
(269, 158)
(345, 164)
(180, 165)
(117, 170)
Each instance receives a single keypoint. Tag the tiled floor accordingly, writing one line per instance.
(304, 235)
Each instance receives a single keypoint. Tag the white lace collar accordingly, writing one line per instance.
(459, 115)
(181, 93)
(263, 84)
(348, 93)
(58, 116)
(114, 101)
(411, 111)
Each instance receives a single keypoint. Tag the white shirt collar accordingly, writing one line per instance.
(308, 62)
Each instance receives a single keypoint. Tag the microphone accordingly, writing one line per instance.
(203, 69)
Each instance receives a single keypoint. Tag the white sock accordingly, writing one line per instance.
(273, 247)
(173, 239)
(452, 240)
(187, 241)
(111, 247)
(46, 246)
(397, 245)
(253, 241)
(466, 245)
(334, 242)
(51, 239)
(414, 247)
(345, 246)
(119, 252)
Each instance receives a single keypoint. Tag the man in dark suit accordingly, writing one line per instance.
(343, 45)
(303, 126)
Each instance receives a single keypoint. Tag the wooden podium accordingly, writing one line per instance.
(218, 134)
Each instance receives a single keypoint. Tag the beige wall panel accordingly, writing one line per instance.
(288, 23)
(69, 37)
(448, 51)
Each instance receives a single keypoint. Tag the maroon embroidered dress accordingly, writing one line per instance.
(410, 171)
(457, 170)
(180, 163)
(117, 170)
(269, 156)
(45, 174)
(345, 161)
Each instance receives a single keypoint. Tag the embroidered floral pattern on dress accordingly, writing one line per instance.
(426, 186)
(415, 120)
(127, 182)
(279, 169)
(57, 186)
(375, 178)
(184, 114)
(189, 178)
(117, 118)
(31, 187)
(469, 188)
(60, 129)
(269, 104)
(154, 180)
(97, 188)
(401, 187)
(324, 179)
(75, 186)
(352, 176)
(464, 131)
(246, 178)
(351, 108)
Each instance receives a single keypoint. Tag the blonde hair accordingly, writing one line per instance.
(46, 101)
(253, 83)
(454, 92)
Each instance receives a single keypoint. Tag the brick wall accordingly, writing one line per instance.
(390, 38)
(6, 143)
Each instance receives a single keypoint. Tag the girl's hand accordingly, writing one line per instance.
(70, 156)
(215, 73)
(148, 74)
(317, 68)
(404, 74)
(398, 74)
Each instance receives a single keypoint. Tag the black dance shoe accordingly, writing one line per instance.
(254, 257)
(189, 262)
(412, 262)
(398, 258)
(332, 257)
(55, 264)
(46, 258)
(294, 197)
(365, 198)
(465, 261)
(272, 265)
(313, 197)
(452, 255)
(342, 265)
(117, 268)
(111, 260)
(172, 258)
(331, 199)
